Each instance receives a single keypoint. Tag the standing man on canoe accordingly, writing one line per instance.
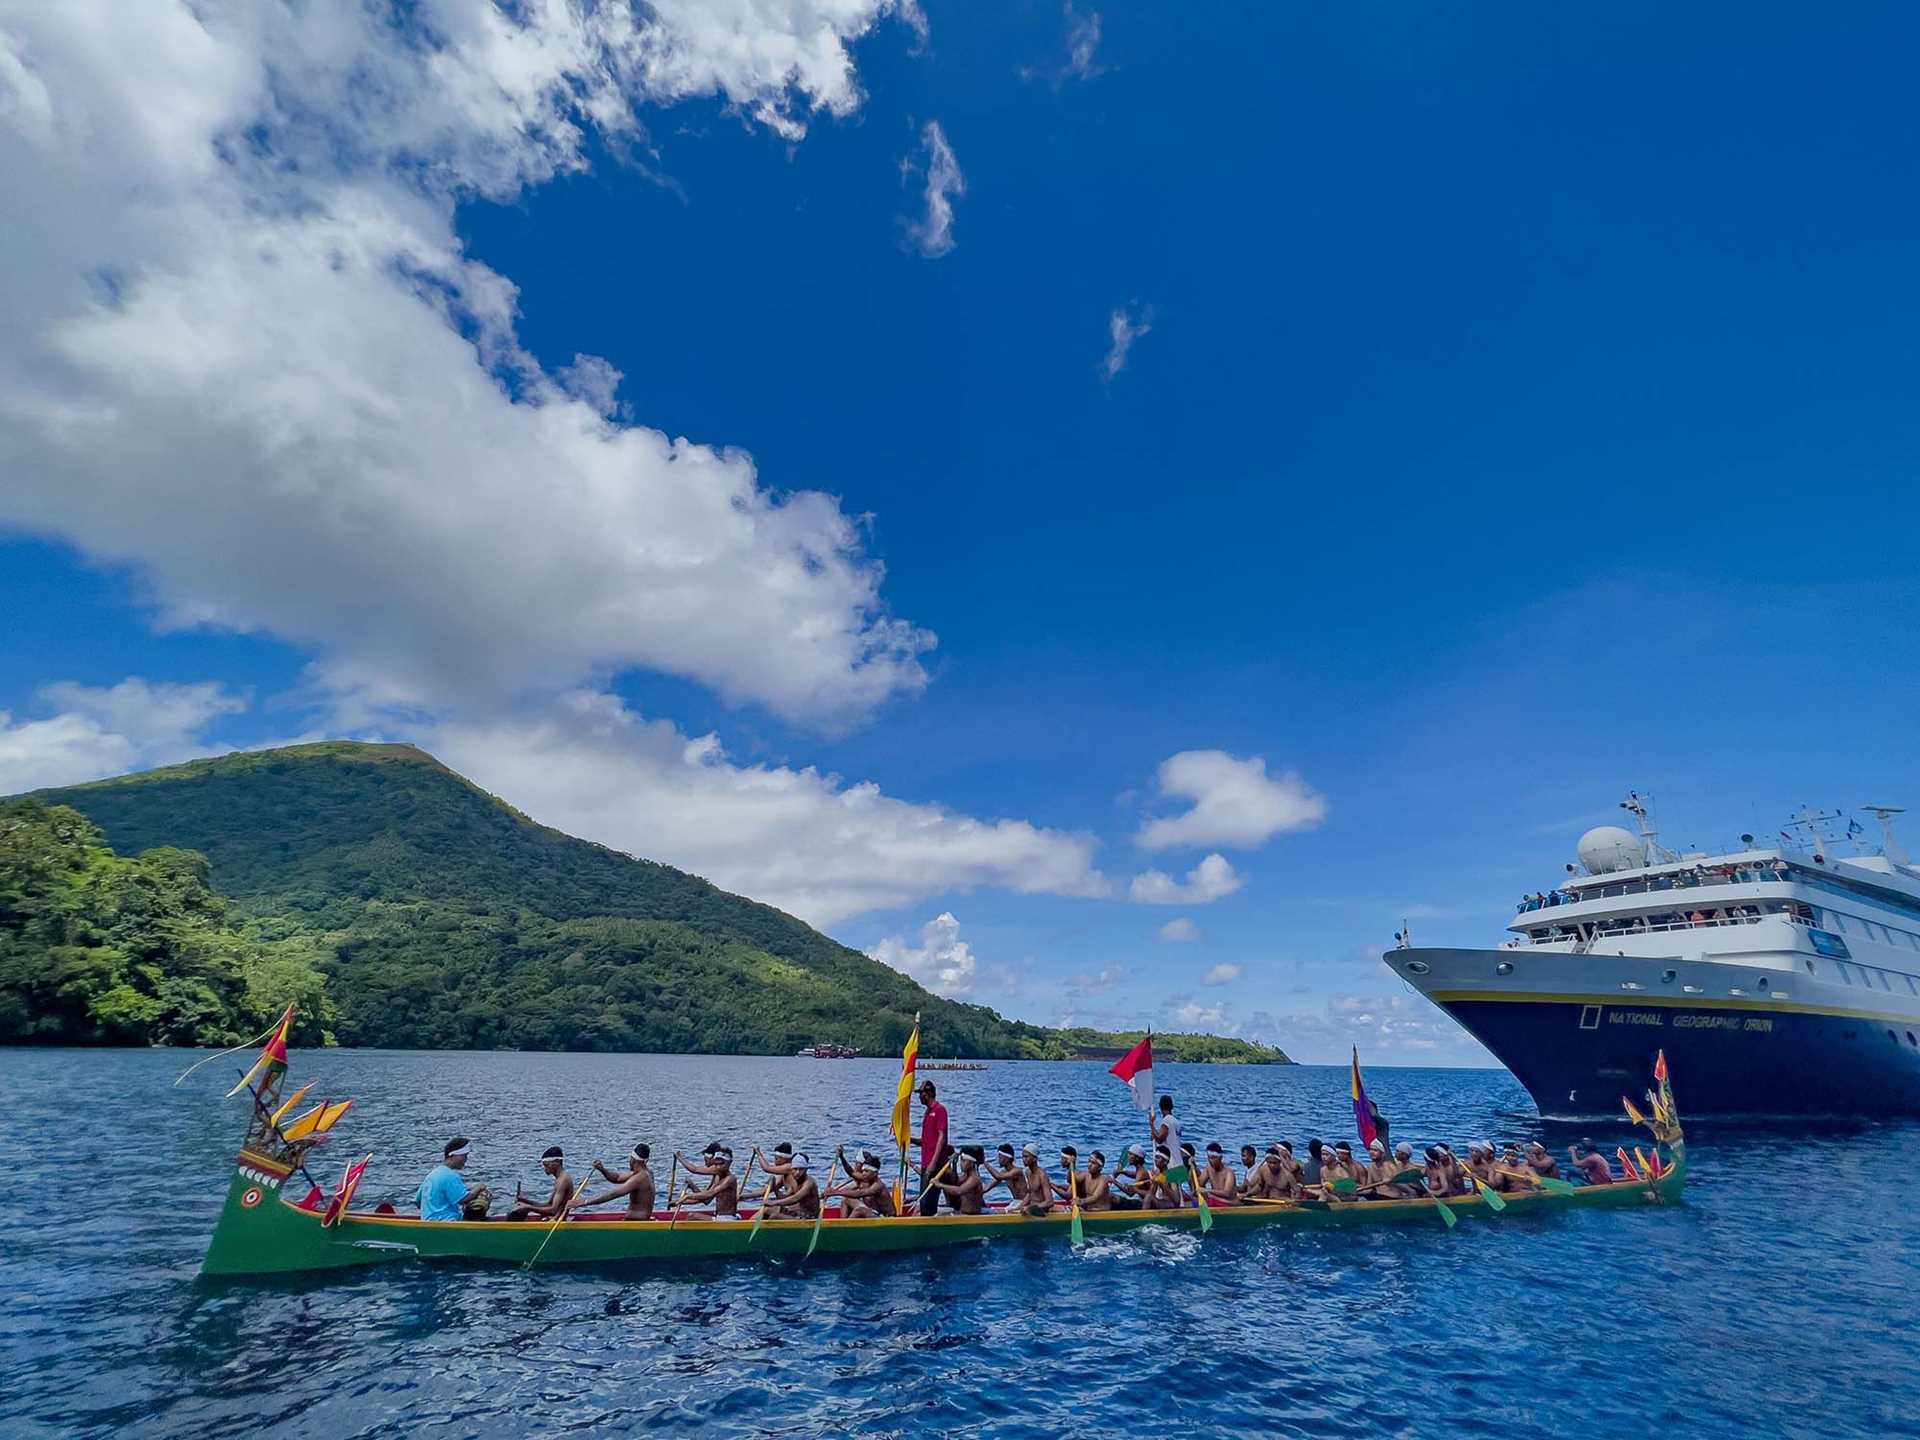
(934, 1150)
(1166, 1130)
(635, 1183)
(725, 1190)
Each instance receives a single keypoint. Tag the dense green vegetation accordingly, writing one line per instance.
(97, 949)
(442, 918)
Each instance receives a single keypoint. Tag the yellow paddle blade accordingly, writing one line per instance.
(292, 1100)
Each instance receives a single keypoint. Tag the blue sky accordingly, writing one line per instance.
(1516, 415)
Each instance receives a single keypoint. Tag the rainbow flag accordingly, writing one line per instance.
(1363, 1108)
(273, 1059)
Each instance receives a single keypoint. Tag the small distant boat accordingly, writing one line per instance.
(262, 1232)
(948, 1065)
(826, 1050)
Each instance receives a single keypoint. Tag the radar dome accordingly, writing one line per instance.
(1607, 848)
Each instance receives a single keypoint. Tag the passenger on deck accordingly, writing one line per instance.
(556, 1203)
(635, 1183)
(801, 1199)
(966, 1192)
(444, 1195)
(1591, 1164)
(724, 1192)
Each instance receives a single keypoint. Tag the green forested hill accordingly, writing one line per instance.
(441, 917)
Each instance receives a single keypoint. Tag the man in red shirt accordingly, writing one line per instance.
(934, 1149)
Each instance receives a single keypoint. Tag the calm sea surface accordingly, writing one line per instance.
(1783, 1295)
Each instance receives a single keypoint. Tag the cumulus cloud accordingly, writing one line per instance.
(1225, 973)
(243, 352)
(1123, 328)
(1097, 982)
(1189, 1012)
(942, 961)
(932, 233)
(1179, 932)
(101, 731)
(1235, 802)
(1082, 41)
(1212, 879)
(1407, 1028)
(809, 842)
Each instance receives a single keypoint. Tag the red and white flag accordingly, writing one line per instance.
(1136, 1068)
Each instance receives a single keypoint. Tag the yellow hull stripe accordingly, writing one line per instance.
(1639, 1000)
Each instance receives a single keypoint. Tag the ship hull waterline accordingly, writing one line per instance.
(260, 1233)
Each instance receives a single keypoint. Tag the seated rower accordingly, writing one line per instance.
(1007, 1174)
(1591, 1164)
(1402, 1162)
(1036, 1186)
(1291, 1175)
(866, 1194)
(1313, 1172)
(724, 1193)
(1438, 1180)
(1217, 1177)
(1337, 1167)
(1513, 1170)
(966, 1192)
(1131, 1185)
(1166, 1194)
(1480, 1163)
(1376, 1171)
(445, 1194)
(635, 1183)
(778, 1167)
(1541, 1163)
(1250, 1167)
(1096, 1186)
(1190, 1187)
(524, 1208)
(801, 1199)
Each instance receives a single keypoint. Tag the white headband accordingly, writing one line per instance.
(464, 1149)
(799, 1162)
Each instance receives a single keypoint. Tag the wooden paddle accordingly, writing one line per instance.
(936, 1178)
(1545, 1182)
(1076, 1232)
(673, 1174)
(565, 1210)
(821, 1214)
(760, 1213)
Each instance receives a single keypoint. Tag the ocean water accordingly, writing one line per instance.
(1782, 1296)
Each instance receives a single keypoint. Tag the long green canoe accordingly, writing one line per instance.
(263, 1232)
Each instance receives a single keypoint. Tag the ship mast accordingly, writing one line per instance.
(1636, 805)
(1890, 845)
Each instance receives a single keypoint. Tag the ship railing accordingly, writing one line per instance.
(1595, 934)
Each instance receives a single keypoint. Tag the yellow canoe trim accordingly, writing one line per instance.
(1640, 1000)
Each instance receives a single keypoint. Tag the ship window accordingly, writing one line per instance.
(1912, 989)
(1874, 932)
(1761, 983)
(1416, 967)
(1881, 976)
(1839, 922)
(1505, 967)
(1810, 969)
(1911, 1041)
(1893, 1037)
(1669, 976)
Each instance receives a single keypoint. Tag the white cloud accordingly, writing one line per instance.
(1189, 1012)
(932, 234)
(942, 962)
(808, 842)
(1122, 330)
(1403, 1028)
(1235, 802)
(1097, 982)
(242, 350)
(102, 731)
(1212, 879)
(1179, 932)
(1083, 38)
(1225, 973)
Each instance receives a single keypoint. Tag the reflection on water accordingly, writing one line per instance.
(1781, 1295)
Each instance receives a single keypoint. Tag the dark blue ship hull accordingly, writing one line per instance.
(1579, 1059)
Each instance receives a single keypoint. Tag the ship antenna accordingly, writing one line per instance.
(1636, 805)
(1890, 845)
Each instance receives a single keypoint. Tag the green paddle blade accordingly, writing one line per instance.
(1407, 1177)
(1494, 1202)
(1446, 1213)
(1344, 1186)
(1206, 1216)
(1556, 1187)
(1077, 1233)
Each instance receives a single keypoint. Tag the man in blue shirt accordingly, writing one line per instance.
(443, 1194)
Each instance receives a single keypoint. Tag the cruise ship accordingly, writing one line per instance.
(1781, 979)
